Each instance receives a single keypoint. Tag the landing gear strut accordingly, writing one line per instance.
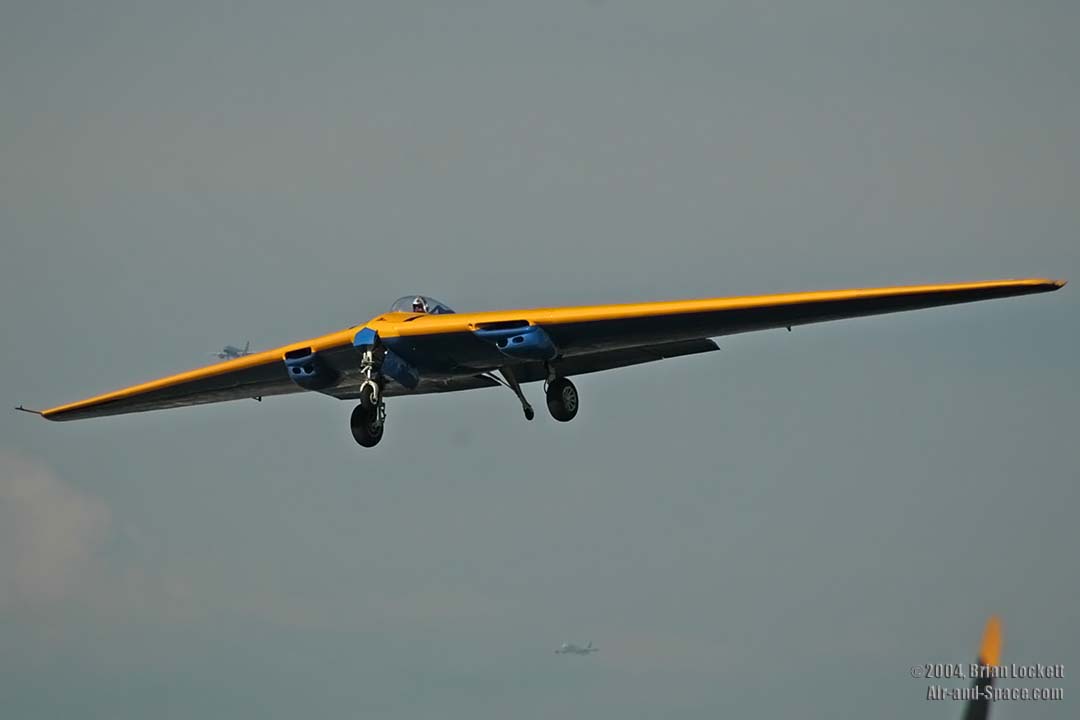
(512, 383)
(562, 399)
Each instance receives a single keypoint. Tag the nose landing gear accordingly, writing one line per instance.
(368, 418)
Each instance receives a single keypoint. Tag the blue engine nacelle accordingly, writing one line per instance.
(519, 341)
(307, 369)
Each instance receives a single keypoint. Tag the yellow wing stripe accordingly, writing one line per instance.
(463, 322)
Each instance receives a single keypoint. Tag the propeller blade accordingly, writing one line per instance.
(989, 654)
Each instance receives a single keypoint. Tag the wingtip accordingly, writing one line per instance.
(1047, 283)
(1043, 283)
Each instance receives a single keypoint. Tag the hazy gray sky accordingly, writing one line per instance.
(779, 529)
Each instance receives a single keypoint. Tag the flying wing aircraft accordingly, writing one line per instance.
(421, 346)
(572, 649)
(231, 352)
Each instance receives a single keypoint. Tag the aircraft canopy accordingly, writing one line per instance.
(420, 303)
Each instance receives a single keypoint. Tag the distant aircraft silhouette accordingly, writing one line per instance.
(572, 649)
(231, 352)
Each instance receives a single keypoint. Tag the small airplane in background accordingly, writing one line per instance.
(572, 649)
(231, 352)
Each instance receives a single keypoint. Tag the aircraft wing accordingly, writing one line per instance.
(595, 328)
(256, 375)
(449, 351)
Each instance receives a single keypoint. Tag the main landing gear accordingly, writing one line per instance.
(562, 399)
(368, 419)
(561, 395)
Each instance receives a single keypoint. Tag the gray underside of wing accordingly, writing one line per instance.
(272, 379)
(577, 365)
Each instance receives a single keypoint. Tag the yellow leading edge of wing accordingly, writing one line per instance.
(324, 342)
(400, 325)
(435, 324)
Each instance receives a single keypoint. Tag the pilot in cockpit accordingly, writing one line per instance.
(419, 305)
